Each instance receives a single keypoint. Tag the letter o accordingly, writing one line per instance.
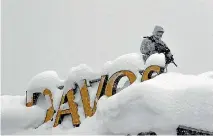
(149, 70)
(115, 78)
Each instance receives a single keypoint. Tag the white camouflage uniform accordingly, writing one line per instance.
(148, 47)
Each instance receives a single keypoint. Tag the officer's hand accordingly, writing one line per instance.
(169, 58)
(169, 55)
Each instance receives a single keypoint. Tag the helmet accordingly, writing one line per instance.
(156, 31)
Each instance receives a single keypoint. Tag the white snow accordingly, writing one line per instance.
(46, 79)
(132, 62)
(156, 59)
(15, 116)
(159, 104)
(77, 75)
(207, 74)
(40, 82)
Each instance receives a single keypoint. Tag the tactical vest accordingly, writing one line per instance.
(151, 38)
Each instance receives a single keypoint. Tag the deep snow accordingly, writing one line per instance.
(159, 104)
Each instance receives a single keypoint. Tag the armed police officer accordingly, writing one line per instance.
(153, 44)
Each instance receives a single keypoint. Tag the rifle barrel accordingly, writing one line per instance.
(174, 63)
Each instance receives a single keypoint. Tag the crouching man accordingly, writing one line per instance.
(153, 44)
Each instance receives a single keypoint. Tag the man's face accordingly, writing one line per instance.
(158, 34)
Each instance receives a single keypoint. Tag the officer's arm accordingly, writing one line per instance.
(169, 54)
(166, 47)
(145, 46)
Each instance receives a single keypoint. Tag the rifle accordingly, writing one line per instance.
(162, 48)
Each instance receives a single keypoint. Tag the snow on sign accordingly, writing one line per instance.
(107, 86)
(171, 103)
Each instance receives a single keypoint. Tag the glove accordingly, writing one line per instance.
(169, 58)
(169, 55)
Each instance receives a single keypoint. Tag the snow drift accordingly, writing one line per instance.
(160, 104)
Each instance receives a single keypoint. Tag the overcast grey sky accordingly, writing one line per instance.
(39, 35)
